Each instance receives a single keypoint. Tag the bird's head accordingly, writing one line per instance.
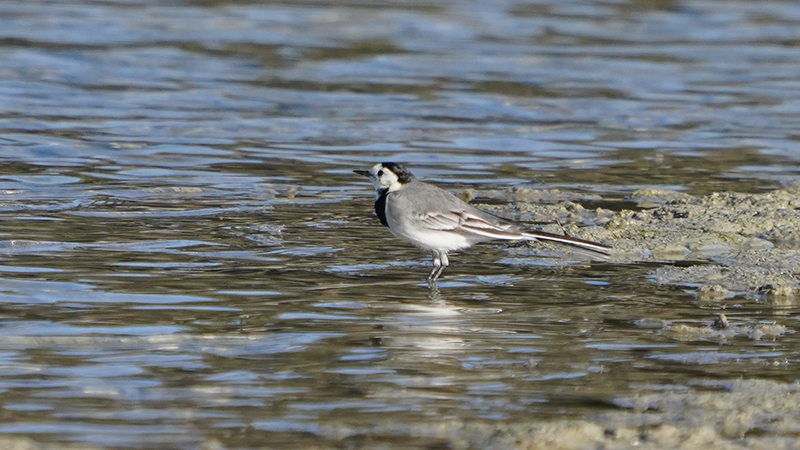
(387, 177)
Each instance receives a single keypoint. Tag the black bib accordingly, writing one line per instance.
(380, 206)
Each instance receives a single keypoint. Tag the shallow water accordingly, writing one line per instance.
(186, 257)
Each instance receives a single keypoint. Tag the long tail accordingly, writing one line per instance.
(575, 242)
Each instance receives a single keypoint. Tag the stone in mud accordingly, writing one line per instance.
(779, 295)
(712, 293)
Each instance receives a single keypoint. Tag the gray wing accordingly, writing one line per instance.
(435, 209)
(468, 222)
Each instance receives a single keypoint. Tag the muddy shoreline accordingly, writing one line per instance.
(722, 245)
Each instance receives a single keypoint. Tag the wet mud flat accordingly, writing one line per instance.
(725, 247)
(724, 244)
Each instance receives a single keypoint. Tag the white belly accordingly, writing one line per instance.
(435, 240)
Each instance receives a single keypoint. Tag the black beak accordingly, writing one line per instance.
(362, 172)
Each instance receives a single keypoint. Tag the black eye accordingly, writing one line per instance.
(380, 173)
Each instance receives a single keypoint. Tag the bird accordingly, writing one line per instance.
(437, 221)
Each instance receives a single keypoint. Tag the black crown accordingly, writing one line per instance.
(403, 174)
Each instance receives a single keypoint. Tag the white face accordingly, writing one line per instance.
(383, 178)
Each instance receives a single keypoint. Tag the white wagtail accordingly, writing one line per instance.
(437, 221)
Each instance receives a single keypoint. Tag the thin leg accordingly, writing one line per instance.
(437, 263)
(445, 263)
(440, 261)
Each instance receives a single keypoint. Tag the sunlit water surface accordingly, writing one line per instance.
(186, 257)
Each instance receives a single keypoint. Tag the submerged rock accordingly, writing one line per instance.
(721, 330)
